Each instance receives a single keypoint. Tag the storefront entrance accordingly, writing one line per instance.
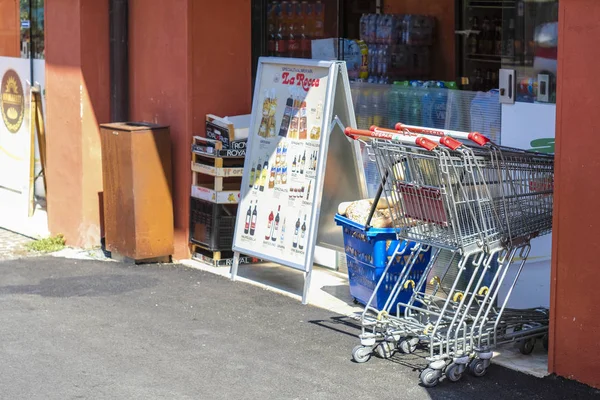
(469, 65)
(22, 67)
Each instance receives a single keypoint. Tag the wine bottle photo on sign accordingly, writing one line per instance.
(272, 110)
(253, 220)
(247, 220)
(296, 232)
(252, 176)
(263, 176)
(303, 234)
(282, 237)
(269, 231)
(302, 124)
(275, 230)
(287, 116)
(272, 177)
(257, 175)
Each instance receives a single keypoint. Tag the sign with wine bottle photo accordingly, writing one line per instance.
(285, 162)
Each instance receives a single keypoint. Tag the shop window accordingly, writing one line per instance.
(530, 33)
(32, 29)
(422, 63)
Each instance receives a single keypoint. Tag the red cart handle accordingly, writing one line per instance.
(447, 141)
(472, 136)
(420, 141)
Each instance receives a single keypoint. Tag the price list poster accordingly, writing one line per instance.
(285, 161)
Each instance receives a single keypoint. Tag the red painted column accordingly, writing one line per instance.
(78, 90)
(160, 91)
(575, 300)
(187, 59)
(10, 29)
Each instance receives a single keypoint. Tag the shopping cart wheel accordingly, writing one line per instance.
(477, 367)
(526, 346)
(355, 301)
(385, 349)
(361, 354)
(408, 345)
(545, 341)
(430, 377)
(454, 372)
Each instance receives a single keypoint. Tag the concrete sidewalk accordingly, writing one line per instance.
(12, 245)
(98, 330)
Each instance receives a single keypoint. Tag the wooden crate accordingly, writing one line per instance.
(214, 178)
(218, 258)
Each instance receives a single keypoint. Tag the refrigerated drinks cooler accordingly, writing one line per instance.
(518, 35)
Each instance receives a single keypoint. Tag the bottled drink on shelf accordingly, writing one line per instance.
(308, 192)
(303, 162)
(364, 28)
(473, 42)
(305, 43)
(372, 28)
(319, 11)
(509, 42)
(498, 37)
(273, 16)
(248, 218)
(309, 14)
(275, 230)
(282, 31)
(294, 30)
(486, 41)
(294, 165)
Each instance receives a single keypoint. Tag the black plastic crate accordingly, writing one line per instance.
(212, 225)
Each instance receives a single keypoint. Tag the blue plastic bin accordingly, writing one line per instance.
(367, 253)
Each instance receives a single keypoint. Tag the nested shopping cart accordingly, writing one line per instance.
(477, 205)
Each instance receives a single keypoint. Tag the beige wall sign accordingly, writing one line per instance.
(12, 105)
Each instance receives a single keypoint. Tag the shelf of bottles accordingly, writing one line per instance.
(484, 47)
(292, 25)
(530, 30)
(435, 107)
(399, 46)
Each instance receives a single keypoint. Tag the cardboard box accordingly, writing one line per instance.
(227, 129)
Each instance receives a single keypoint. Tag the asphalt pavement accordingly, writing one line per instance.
(102, 330)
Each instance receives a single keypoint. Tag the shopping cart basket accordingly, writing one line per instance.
(478, 203)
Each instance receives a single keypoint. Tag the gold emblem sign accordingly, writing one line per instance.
(12, 103)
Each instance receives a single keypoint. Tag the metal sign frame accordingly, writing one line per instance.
(336, 76)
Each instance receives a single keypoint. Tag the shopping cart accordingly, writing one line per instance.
(478, 205)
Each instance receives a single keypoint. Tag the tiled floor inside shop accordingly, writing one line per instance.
(329, 290)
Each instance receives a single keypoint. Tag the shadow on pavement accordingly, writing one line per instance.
(83, 286)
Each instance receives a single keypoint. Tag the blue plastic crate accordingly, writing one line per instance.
(367, 253)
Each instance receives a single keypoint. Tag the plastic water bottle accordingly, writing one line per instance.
(453, 114)
(416, 98)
